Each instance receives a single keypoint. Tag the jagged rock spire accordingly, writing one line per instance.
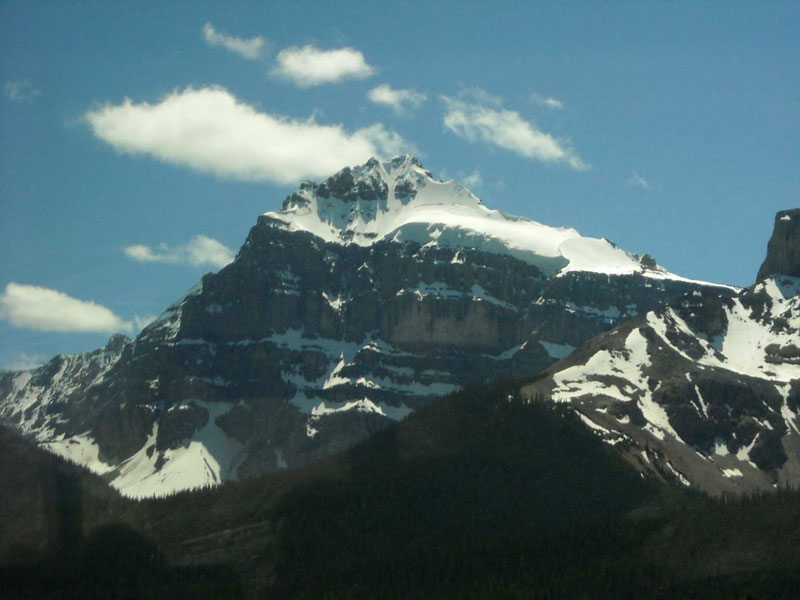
(783, 250)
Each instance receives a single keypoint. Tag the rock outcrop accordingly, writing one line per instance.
(783, 250)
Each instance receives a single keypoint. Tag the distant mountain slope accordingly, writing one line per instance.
(365, 297)
(707, 390)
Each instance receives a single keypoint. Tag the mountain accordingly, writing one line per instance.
(364, 297)
(705, 391)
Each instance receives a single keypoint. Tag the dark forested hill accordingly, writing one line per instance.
(476, 495)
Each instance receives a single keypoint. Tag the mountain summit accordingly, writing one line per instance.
(398, 200)
(366, 296)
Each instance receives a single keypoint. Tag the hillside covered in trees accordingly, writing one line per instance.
(477, 495)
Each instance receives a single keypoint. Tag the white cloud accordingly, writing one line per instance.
(26, 362)
(481, 96)
(398, 100)
(141, 253)
(477, 121)
(210, 130)
(20, 91)
(143, 321)
(637, 180)
(474, 180)
(308, 66)
(246, 48)
(201, 250)
(547, 101)
(386, 142)
(43, 309)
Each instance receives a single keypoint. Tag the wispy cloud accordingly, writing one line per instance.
(386, 142)
(481, 96)
(200, 251)
(547, 101)
(398, 100)
(26, 362)
(20, 91)
(246, 48)
(44, 309)
(308, 66)
(211, 131)
(637, 180)
(476, 120)
(473, 180)
(143, 321)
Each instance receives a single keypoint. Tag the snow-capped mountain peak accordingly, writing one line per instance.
(395, 199)
(398, 200)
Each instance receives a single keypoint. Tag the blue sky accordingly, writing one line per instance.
(672, 129)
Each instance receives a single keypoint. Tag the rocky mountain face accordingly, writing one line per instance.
(783, 251)
(367, 295)
(705, 391)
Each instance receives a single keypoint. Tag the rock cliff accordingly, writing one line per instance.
(783, 250)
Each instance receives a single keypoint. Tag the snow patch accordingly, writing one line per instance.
(365, 405)
(591, 424)
(81, 450)
(677, 473)
(209, 458)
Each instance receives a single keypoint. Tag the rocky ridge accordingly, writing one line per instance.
(367, 295)
(705, 391)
